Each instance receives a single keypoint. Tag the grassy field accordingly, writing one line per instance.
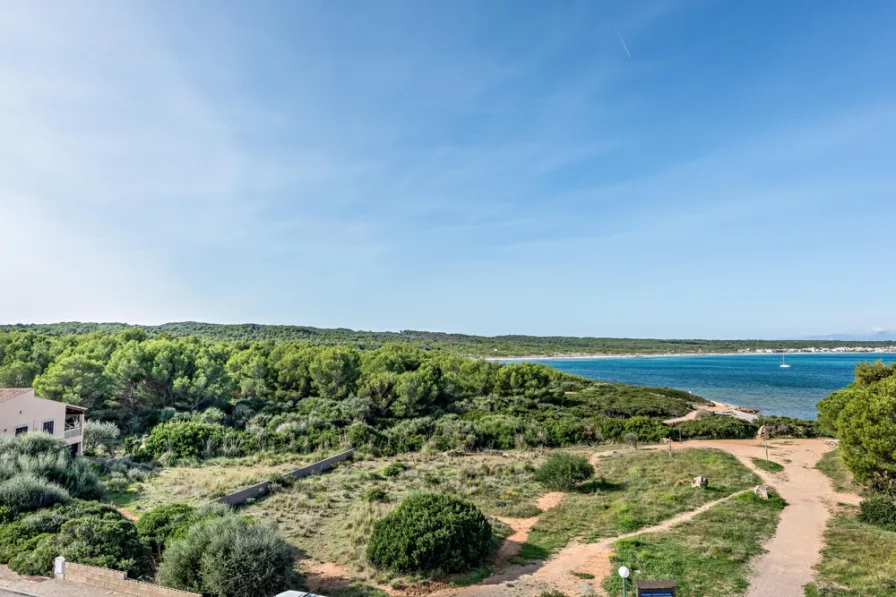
(708, 556)
(767, 465)
(831, 464)
(858, 559)
(638, 489)
(194, 485)
(329, 517)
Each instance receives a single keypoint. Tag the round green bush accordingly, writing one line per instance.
(228, 556)
(430, 532)
(879, 510)
(26, 493)
(563, 472)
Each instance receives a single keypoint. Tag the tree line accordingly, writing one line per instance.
(483, 346)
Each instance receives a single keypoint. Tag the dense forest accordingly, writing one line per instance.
(483, 346)
(189, 397)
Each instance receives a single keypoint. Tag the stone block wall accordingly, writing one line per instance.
(114, 580)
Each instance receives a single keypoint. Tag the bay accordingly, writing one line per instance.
(753, 380)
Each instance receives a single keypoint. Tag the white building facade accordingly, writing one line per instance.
(23, 412)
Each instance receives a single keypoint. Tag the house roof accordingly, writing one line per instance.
(10, 393)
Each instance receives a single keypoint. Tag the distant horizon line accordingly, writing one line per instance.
(833, 337)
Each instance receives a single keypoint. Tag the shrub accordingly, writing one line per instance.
(375, 494)
(46, 457)
(631, 439)
(563, 472)
(716, 428)
(879, 510)
(26, 493)
(788, 427)
(106, 540)
(393, 469)
(499, 431)
(646, 429)
(157, 526)
(228, 557)
(430, 532)
(189, 439)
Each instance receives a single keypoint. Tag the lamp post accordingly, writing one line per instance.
(624, 573)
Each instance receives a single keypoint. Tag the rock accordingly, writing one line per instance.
(761, 491)
(666, 440)
(700, 482)
(763, 433)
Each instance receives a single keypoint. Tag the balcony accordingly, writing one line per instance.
(73, 433)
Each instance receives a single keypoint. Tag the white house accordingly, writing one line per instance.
(21, 411)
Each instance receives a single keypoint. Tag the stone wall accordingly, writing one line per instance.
(255, 491)
(115, 580)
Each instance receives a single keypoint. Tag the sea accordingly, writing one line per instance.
(753, 380)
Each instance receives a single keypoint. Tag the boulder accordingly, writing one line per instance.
(700, 482)
(761, 491)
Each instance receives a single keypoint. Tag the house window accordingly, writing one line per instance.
(22, 429)
(49, 427)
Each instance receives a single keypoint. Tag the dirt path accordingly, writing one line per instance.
(715, 408)
(795, 549)
(521, 528)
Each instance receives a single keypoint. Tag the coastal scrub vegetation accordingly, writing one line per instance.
(178, 399)
(480, 346)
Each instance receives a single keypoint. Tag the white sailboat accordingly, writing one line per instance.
(784, 365)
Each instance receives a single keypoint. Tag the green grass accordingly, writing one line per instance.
(708, 556)
(832, 465)
(638, 489)
(583, 575)
(767, 465)
(858, 559)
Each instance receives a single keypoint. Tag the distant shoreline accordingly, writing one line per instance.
(890, 350)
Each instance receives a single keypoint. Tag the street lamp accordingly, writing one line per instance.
(624, 573)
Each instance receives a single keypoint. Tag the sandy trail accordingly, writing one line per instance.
(521, 528)
(795, 549)
(715, 408)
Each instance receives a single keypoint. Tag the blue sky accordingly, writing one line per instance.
(483, 167)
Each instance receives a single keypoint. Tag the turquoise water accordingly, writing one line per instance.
(751, 380)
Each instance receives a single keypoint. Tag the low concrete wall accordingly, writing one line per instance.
(115, 580)
(255, 491)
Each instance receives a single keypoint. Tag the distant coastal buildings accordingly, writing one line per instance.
(815, 349)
